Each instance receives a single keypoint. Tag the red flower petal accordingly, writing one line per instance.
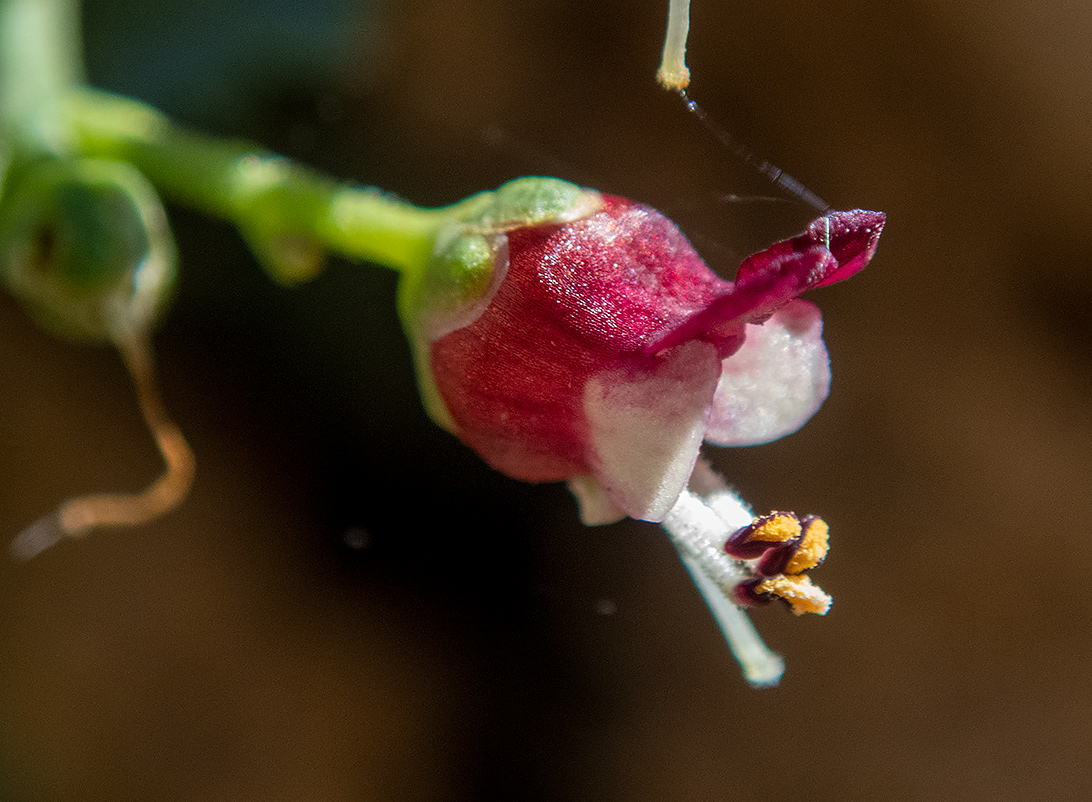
(579, 298)
(620, 278)
(606, 354)
(850, 237)
(766, 288)
(833, 248)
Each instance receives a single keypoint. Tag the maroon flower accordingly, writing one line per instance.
(604, 351)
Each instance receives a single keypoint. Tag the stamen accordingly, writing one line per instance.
(798, 591)
(697, 532)
(717, 496)
(782, 548)
(776, 533)
(814, 545)
(777, 527)
(739, 561)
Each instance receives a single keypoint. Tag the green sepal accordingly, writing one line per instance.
(526, 202)
(275, 220)
(85, 246)
(469, 261)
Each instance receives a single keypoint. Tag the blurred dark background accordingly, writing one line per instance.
(352, 607)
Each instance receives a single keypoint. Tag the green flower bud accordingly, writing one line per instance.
(85, 246)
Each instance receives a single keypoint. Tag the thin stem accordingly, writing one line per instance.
(40, 58)
(82, 514)
(673, 73)
(266, 195)
(774, 174)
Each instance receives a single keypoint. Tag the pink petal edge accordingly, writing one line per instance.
(850, 237)
(831, 249)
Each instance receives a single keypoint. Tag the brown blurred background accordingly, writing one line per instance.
(351, 607)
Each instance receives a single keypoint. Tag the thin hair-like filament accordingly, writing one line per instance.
(78, 516)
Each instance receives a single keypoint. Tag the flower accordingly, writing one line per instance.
(568, 335)
(596, 347)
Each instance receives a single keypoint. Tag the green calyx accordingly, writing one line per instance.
(532, 201)
(469, 262)
(84, 245)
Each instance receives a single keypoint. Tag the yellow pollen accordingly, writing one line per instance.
(799, 592)
(777, 527)
(813, 547)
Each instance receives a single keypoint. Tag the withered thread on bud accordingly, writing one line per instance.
(674, 76)
(774, 174)
(78, 516)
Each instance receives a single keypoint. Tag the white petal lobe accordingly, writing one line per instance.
(775, 382)
(647, 427)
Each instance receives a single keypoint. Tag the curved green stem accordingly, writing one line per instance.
(40, 59)
(290, 215)
(288, 212)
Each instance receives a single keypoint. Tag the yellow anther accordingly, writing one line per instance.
(777, 527)
(798, 591)
(813, 547)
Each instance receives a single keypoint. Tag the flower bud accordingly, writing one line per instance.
(84, 245)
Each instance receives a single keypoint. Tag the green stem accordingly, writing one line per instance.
(280, 206)
(40, 58)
